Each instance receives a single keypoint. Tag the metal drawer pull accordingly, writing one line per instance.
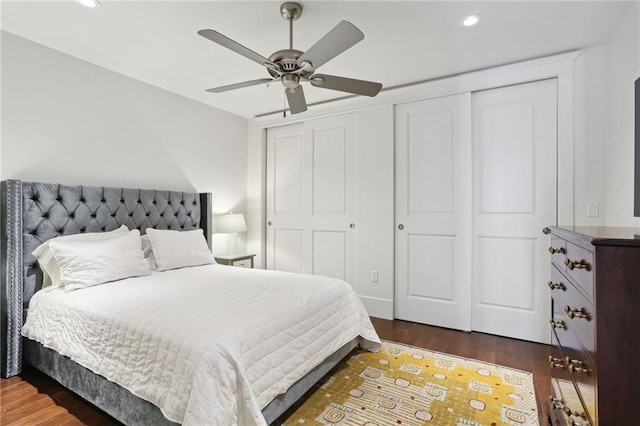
(556, 362)
(557, 324)
(577, 366)
(559, 250)
(556, 403)
(571, 413)
(556, 286)
(577, 313)
(579, 264)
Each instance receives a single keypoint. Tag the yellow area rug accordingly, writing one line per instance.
(403, 385)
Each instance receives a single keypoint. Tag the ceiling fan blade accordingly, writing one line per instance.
(358, 87)
(295, 97)
(340, 38)
(240, 85)
(225, 41)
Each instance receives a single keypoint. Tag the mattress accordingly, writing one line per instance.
(209, 345)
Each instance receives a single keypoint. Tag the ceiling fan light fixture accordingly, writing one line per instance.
(91, 4)
(471, 20)
(290, 81)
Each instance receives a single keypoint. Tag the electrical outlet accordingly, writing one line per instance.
(374, 276)
(592, 209)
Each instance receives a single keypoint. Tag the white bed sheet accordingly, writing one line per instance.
(209, 345)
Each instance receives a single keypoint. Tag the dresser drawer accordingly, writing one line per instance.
(579, 266)
(566, 401)
(567, 302)
(580, 367)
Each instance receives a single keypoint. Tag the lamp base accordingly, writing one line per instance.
(232, 243)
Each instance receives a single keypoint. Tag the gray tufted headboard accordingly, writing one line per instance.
(33, 213)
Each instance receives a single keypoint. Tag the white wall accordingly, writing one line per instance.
(376, 209)
(604, 126)
(256, 175)
(589, 132)
(69, 121)
(623, 69)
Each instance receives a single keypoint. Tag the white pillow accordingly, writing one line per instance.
(88, 263)
(179, 249)
(48, 262)
(148, 252)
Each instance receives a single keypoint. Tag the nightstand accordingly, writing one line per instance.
(236, 260)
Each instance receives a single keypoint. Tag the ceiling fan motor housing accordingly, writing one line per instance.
(286, 59)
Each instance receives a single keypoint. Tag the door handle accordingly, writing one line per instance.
(352, 226)
(269, 223)
(401, 227)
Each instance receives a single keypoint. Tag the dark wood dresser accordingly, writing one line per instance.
(595, 299)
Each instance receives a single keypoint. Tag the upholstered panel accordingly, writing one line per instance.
(11, 279)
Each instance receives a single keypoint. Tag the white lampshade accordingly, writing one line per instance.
(229, 223)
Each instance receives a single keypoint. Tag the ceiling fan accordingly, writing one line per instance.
(292, 67)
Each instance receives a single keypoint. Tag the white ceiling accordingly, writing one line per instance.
(405, 42)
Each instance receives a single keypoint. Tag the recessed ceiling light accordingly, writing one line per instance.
(471, 20)
(93, 4)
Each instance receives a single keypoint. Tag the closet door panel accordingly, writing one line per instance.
(433, 212)
(285, 198)
(514, 197)
(311, 210)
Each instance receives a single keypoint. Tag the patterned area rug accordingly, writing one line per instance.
(402, 385)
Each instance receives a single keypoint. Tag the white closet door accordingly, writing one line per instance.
(311, 209)
(286, 236)
(433, 210)
(514, 198)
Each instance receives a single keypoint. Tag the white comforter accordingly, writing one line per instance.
(208, 345)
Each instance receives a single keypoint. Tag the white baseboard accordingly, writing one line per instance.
(379, 308)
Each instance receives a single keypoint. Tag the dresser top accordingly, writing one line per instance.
(599, 235)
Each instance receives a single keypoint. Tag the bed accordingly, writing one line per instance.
(266, 336)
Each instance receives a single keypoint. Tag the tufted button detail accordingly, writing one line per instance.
(72, 215)
(83, 229)
(131, 214)
(82, 200)
(59, 199)
(147, 214)
(103, 200)
(45, 215)
(60, 231)
(113, 215)
(93, 215)
(104, 228)
(122, 200)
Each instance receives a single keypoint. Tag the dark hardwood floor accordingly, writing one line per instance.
(34, 399)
